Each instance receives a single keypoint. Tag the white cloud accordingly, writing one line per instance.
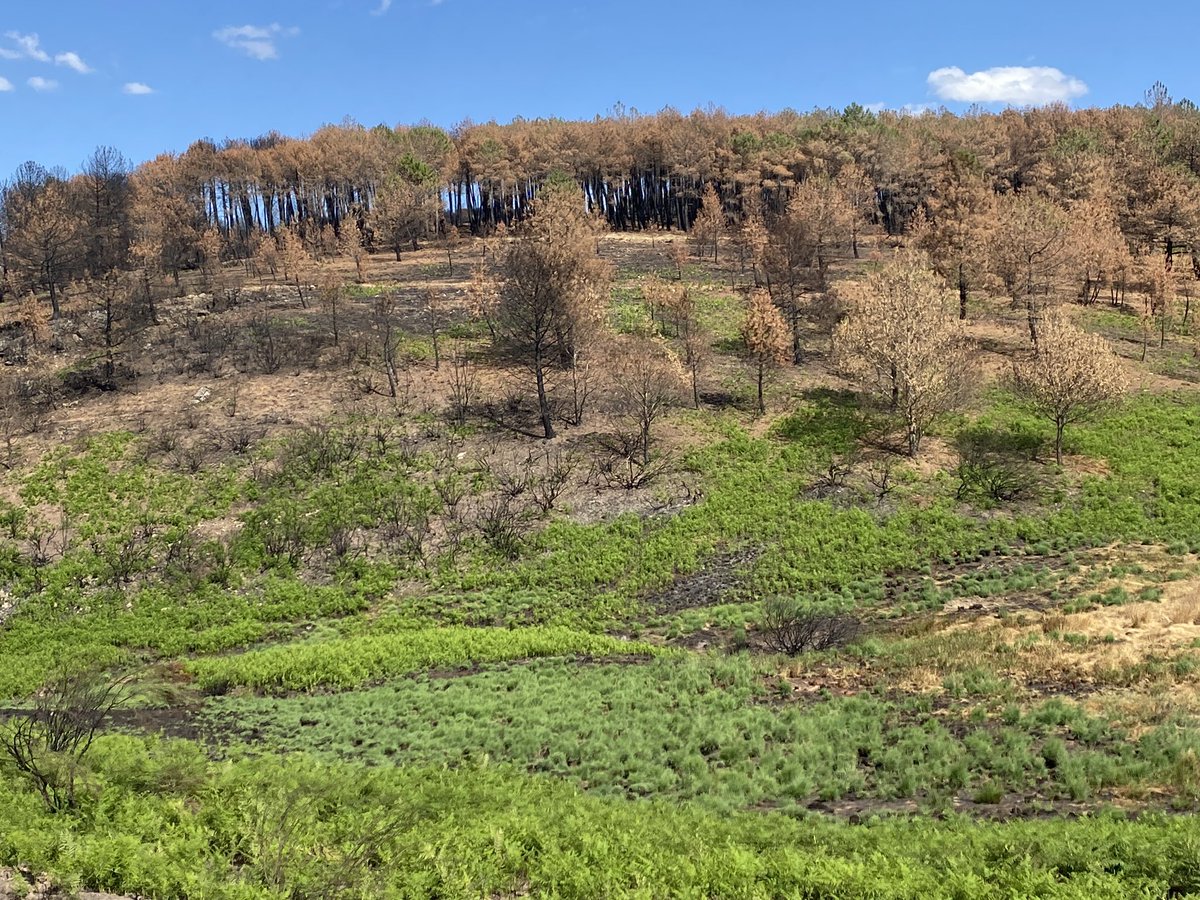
(137, 89)
(28, 47)
(71, 60)
(38, 83)
(5, 85)
(1018, 85)
(256, 41)
(384, 6)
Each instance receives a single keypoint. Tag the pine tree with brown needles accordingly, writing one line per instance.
(43, 237)
(295, 261)
(1098, 250)
(264, 254)
(822, 213)
(692, 334)
(483, 297)
(858, 191)
(555, 288)
(1030, 252)
(210, 261)
(955, 225)
(709, 226)
(753, 239)
(767, 340)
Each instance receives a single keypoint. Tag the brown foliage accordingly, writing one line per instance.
(956, 230)
(766, 339)
(1098, 254)
(1073, 374)
(404, 212)
(554, 290)
(295, 261)
(352, 243)
(709, 227)
(43, 237)
(902, 335)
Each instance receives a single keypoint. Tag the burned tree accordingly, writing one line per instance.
(554, 286)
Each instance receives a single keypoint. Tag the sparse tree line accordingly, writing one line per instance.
(1128, 177)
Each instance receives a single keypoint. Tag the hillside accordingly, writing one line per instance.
(379, 645)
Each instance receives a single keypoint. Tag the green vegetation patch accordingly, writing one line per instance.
(161, 820)
(153, 622)
(347, 662)
(722, 732)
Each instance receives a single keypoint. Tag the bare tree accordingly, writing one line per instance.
(352, 243)
(432, 302)
(105, 209)
(451, 241)
(387, 336)
(1073, 375)
(1030, 252)
(647, 381)
(902, 335)
(464, 383)
(49, 743)
(114, 301)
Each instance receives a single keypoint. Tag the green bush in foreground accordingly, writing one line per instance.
(352, 661)
(709, 731)
(163, 821)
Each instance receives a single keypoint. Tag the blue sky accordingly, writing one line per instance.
(147, 76)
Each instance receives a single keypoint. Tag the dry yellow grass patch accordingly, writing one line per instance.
(1105, 647)
(1143, 709)
(1184, 607)
(1117, 638)
(1150, 626)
